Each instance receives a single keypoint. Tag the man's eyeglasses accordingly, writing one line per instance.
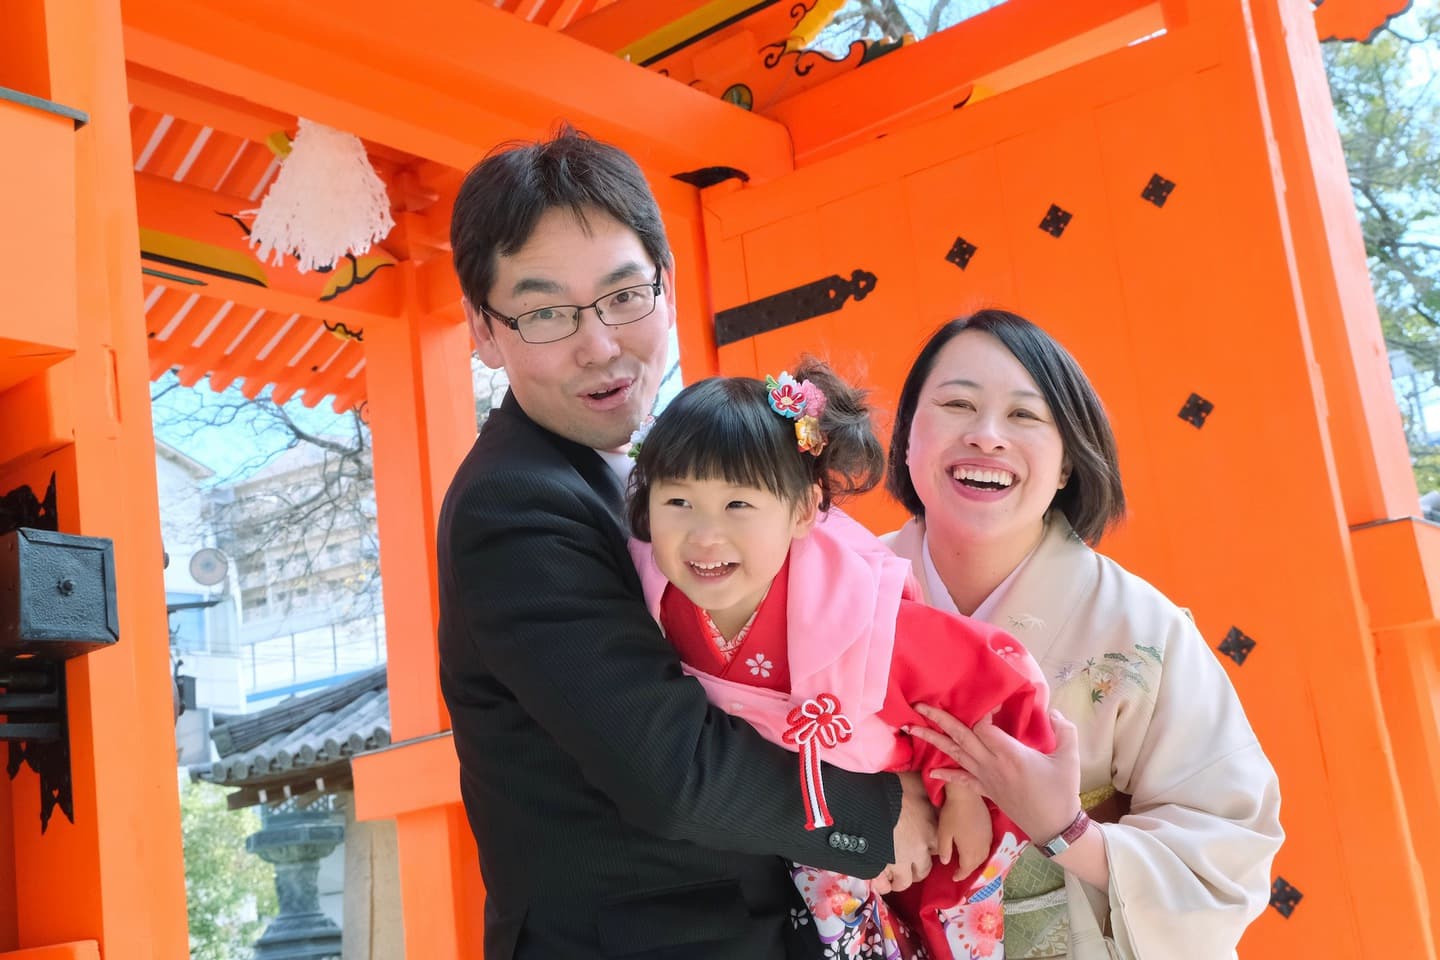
(615, 309)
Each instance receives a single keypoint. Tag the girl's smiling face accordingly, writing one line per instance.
(722, 544)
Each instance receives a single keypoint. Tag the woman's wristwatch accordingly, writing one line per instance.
(1061, 841)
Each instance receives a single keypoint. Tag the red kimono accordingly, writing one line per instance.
(839, 622)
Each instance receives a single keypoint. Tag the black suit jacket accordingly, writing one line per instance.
(617, 813)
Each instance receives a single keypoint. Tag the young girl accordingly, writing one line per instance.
(799, 621)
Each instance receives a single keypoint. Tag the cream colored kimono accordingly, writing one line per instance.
(1157, 719)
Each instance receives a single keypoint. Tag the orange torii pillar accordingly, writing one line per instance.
(421, 412)
(76, 407)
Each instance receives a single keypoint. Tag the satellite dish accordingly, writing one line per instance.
(209, 566)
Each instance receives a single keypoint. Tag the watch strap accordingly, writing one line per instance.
(1061, 841)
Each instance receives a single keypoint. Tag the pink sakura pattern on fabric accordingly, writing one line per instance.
(975, 929)
(851, 919)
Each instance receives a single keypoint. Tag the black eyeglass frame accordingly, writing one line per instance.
(656, 286)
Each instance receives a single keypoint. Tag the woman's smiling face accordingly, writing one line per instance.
(985, 455)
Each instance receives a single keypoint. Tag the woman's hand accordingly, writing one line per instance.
(1040, 792)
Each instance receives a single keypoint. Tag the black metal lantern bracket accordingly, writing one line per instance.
(57, 601)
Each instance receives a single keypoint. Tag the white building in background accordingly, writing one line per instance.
(204, 617)
(310, 605)
(260, 611)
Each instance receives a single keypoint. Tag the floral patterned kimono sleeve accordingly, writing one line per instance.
(1189, 865)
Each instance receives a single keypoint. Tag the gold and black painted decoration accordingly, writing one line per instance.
(159, 249)
(351, 271)
(198, 257)
(750, 53)
(340, 331)
(740, 95)
(796, 305)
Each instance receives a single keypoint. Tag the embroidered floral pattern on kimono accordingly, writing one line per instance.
(1112, 673)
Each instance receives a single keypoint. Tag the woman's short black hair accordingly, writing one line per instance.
(1093, 499)
(723, 428)
(505, 195)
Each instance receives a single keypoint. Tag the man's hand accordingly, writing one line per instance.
(915, 838)
(965, 827)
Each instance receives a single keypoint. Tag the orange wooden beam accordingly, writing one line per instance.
(272, 300)
(199, 215)
(621, 24)
(187, 100)
(1356, 19)
(182, 99)
(446, 81)
(75, 950)
(406, 777)
(1026, 37)
(437, 288)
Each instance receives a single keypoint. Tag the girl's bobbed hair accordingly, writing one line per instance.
(724, 429)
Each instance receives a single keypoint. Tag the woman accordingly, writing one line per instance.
(1005, 459)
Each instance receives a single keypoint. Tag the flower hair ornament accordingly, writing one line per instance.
(637, 438)
(802, 402)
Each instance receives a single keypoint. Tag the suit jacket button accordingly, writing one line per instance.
(837, 839)
(862, 845)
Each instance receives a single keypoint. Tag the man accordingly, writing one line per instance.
(616, 812)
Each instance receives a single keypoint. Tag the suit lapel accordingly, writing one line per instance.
(592, 468)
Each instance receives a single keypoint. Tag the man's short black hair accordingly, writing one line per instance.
(506, 194)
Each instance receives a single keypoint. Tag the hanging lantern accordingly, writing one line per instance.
(325, 202)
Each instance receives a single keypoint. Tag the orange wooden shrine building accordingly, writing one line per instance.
(1158, 182)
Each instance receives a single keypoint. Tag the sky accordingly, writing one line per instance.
(227, 434)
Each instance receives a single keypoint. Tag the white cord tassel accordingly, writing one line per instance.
(326, 201)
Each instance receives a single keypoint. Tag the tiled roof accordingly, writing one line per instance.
(301, 739)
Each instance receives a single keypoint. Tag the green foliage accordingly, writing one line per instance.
(1387, 106)
(231, 893)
